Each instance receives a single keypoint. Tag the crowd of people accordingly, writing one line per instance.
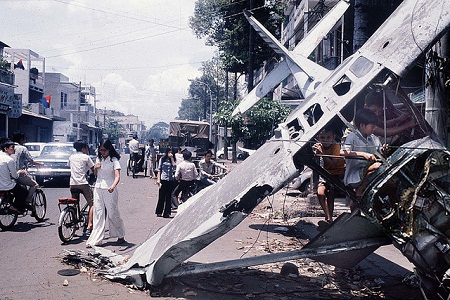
(350, 159)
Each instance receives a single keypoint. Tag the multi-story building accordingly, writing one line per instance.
(74, 105)
(7, 100)
(300, 17)
(28, 113)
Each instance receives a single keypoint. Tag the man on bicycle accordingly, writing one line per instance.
(9, 175)
(80, 163)
(207, 168)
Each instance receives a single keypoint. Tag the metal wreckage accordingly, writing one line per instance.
(407, 201)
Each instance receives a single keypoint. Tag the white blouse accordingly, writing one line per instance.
(105, 175)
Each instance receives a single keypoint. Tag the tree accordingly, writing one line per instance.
(223, 25)
(158, 131)
(208, 87)
(257, 126)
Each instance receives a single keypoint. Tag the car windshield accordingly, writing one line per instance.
(58, 150)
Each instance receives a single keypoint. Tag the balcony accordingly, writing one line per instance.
(6, 77)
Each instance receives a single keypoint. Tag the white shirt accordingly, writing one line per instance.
(186, 171)
(105, 175)
(22, 157)
(8, 171)
(354, 167)
(79, 164)
(133, 145)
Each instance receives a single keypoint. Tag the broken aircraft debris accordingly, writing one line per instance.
(414, 214)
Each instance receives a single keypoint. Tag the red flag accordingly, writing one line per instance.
(19, 65)
(46, 101)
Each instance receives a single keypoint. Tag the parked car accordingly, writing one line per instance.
(55, 159)
(34, 148)
(303, 183)
(239, 153)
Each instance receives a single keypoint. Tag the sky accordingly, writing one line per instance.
(138, 54)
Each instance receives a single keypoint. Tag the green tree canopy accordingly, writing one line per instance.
(223, 24)
(257, 126)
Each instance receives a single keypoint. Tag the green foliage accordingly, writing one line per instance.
(113, 129)
(4, 64)
(258, 124)
(223, 24)
(203, 90)
(157, 132)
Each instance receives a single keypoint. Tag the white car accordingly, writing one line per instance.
(239, 154)
(54, 159)
(34, 148)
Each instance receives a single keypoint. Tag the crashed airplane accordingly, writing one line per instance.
(407, 202)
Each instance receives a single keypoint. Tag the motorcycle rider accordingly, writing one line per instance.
(207, 166)
(23, 158)
(9, 174)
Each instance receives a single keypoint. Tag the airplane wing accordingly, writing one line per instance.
(295, 61)
(219, 208)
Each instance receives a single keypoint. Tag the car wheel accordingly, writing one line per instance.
(221, 156)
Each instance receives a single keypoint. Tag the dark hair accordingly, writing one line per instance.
(208, 152)
(187, 154)
(5, 143)
(18, 136)
(373, 98)
(109, 146)
(328, 128)
(135, 136)
(79, 145)
(365, 116)
(166, 155)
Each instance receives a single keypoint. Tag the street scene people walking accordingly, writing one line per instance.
(166, 183)
(106, 196)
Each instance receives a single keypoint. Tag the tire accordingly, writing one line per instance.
(40, 180)
(67, 224)
(7, 217)
(128, 167)
(39, 205)
(221, 156)
(133, 168)
(305, 188)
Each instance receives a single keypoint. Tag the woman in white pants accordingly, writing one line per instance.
(106, 196)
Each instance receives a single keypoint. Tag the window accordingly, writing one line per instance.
(63, 100)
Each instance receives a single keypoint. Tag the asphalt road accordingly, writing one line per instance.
(30, 257)
(30, 252)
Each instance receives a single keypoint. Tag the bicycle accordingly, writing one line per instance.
(8, 217)
(72, 218)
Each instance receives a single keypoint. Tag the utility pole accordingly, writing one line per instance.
(79, 111)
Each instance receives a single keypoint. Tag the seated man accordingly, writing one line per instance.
(80, 163)
(23, 158)
(329, 150)
(207, 169)
(9, 174)
(185, 173)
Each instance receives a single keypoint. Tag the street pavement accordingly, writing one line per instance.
(31, 256)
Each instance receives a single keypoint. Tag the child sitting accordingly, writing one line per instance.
(359, 155)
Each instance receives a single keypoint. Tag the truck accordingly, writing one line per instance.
(193, 135)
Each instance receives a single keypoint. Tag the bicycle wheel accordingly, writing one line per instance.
(39, 205)
(67, 224)
(128, 167)
(7, 217)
